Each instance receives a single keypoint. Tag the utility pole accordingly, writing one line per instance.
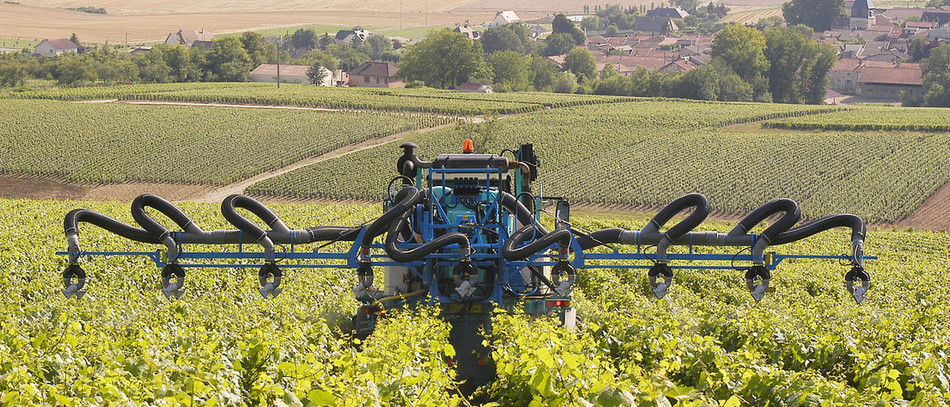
(277, 48)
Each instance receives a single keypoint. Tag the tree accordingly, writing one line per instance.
(558, 44)
(183, 68)
(580, 62)
(152, 66)
(504, 38)
(565, 82)
(817, 14)
(376, 46)
(590, 23)
(917, 48)
(701, 83)
(304, 39)
(798, 65)
(319, 58)
(511, 71)
(742, 49)
(317, 74)
(255, 46)
(228, 61)
(12, 73)
(561, 25)
(544, 73)
(444, 59)
(935, 72)
(348, 56)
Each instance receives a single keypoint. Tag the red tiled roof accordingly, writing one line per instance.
(62, 43)
(375, 69)
(890, 76)
(289, 70)
(846, 64)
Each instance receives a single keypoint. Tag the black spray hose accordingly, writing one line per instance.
(432, 246)
(523, 214)
(332, 234)
(600, 237)
(857, 281)
(847, 220)
(155, 228)
(71, 227)
(792, 215)
(406, 199)
(228, 209)
(561, 236)
(682, 203)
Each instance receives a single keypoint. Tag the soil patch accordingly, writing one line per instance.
(933, 214)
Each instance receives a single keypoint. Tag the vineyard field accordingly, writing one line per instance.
(114, 143)
(412, 100)
(651, 152)
(870, 118)
(707, 343)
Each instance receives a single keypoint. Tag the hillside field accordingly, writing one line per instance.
(881, 163)
(707, 343)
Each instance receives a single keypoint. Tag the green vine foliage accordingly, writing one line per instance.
(707, 343)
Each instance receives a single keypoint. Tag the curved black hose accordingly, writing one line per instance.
(510, 253)
(333, 233)
(525, 216)
(432, 246)
(693, 200)
(404, 201)
(166, 208)
(600, 237)
(71, 224)
(792, 215)
(848, 220)
(243, 224)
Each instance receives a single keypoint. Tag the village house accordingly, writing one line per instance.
(469, 87)
(55, 47)
(190, 38)
(671, 12)
(504, 18)
(468, 31)
(655, 24)
(887, 83)
(348, 36)
(375, 75)
(267, 73)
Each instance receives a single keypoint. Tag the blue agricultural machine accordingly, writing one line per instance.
(463, 232)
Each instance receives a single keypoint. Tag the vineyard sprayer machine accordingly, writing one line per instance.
(464, 232)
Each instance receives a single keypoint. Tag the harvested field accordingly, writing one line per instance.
(140, 21)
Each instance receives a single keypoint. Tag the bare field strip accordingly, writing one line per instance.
(33, 22)
(140, 21)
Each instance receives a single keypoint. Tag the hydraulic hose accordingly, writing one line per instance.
(166, 208)
(792, 215)
(432, 246)
(853, 222)
(404, 200)
(71, 227)
(522, 212)
(510, 253)
(682, 203)
(228, 209)
(155, 228)
(600, 237)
